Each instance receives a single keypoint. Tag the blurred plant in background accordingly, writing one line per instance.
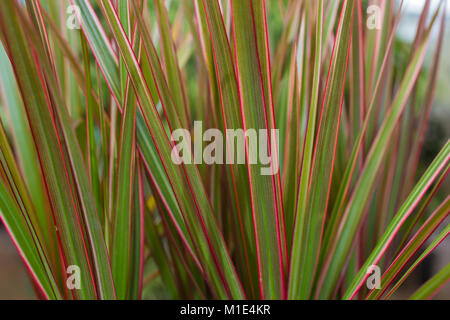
(91, 91)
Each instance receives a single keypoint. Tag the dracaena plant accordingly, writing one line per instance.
(98, 209)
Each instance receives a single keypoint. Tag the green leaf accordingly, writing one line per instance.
(58, 159)
(358, 201)
(251, 53)
(412, 247)
(195, 205)
(16, 212)
(311, 213)
(441, 237)
(432, 286)
(408, 206)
